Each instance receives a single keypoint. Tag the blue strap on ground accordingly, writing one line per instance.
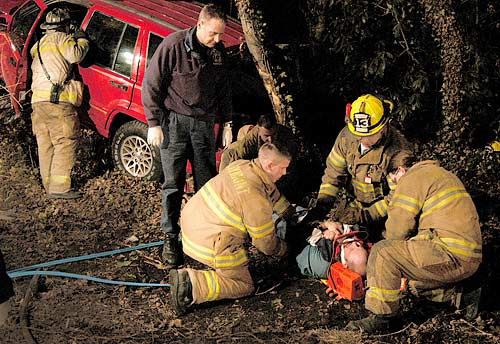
(30, 270)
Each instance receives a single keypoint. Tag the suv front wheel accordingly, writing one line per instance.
(132, 154)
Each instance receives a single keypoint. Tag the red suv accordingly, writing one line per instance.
(124, 35)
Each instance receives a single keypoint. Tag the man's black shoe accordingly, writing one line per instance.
(373, 323)
(65, 195)
(181, 290)
(172, 251)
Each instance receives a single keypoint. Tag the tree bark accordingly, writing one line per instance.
(440, 16)
(254, 33)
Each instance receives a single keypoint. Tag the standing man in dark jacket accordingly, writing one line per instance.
(186, 89)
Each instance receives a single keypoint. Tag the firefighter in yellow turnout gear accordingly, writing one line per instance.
(433, 240)
(55, 96)
(231, 208)
(358, 161)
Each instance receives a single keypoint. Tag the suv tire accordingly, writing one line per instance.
(133, 155)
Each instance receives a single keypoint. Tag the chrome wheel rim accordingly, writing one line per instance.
(136, 156)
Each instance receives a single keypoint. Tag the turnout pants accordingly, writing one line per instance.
(431, 269)
(186, 138)
(56, 127)
(218, 284)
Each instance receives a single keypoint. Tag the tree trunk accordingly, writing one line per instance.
(253, 28)
(439, 14)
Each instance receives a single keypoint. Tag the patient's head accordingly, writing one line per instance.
(356, 257)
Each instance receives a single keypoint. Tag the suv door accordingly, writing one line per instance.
(112, 76)
(14, 49)
(151, 41)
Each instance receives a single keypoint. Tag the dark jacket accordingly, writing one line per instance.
(187, 78)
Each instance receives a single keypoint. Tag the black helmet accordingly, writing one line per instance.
(56, 18)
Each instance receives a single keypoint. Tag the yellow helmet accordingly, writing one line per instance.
(368, 115)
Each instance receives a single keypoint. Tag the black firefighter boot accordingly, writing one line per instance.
(467, 299)
(374, 323)
(181, 290)
(172, 252)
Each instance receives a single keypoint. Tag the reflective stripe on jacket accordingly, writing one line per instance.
(434, 201)
(365, 173)
(230, 209)
(58, 51)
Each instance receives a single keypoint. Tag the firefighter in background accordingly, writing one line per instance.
(249, 141)
(433, 239)
(231, 208)
(56, 94)
(358, 162)
(247, 147)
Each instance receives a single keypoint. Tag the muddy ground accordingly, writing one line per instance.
(117, 212)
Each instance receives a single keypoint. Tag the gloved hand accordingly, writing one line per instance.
(155, 136)
(227, 134)
(289, 212)
(332, 229)
(79, 33)
(294, 215)
(319, 210)
(355, 215)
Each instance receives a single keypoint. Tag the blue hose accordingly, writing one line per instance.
(30, 270)
(90, 256)
(88, 278)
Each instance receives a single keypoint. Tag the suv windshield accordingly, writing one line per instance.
(21, 24)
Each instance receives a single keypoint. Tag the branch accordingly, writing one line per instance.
(395, 14)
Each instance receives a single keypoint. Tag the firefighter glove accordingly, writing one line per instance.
(79, 33)
(155, 136)
(355, 215)
(289, 212)
(319, 211)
